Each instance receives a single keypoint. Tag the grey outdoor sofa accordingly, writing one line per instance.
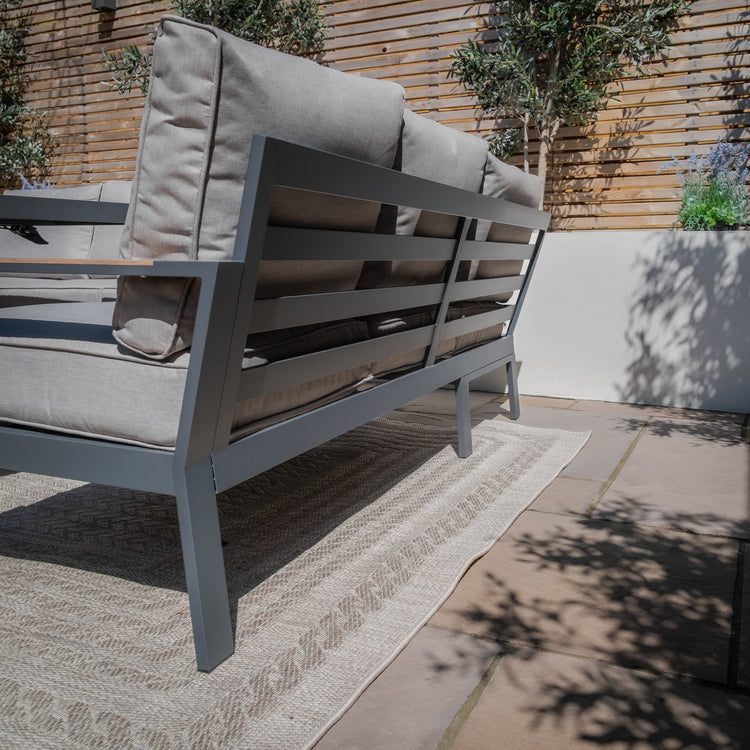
(300, 255)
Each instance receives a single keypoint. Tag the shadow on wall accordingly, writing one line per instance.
(689, 328)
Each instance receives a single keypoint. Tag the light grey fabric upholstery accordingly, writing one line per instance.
(467, 309)
(26, 290)
(407, 320)
(210, 92)
(435, 152)
(60, 241)
(441, 153)
(62, 369)
(404, 320)
(503, 181)
(105, 242)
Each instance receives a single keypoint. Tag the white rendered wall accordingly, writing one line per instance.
(639, 317)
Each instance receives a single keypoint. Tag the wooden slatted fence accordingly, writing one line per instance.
(604, 176)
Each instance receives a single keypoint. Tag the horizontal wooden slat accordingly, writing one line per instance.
(603, 175)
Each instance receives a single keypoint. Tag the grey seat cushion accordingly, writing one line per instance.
(403, 320)
(60, 242)
(63, 370)
(210, 92)
(24, 290)
(407, 320)
(466, 310)
(435, 152)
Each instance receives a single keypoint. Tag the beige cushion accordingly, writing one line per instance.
(210, 92)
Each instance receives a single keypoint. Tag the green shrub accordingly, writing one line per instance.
(713, 188)
(293, 26)
(25, 142)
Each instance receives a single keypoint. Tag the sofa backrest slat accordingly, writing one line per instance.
(477, 250)
(288, 312)
(262, 450)
(310, 169)
(295, 243)
(486, 287)
(288, 373)
(462, 326)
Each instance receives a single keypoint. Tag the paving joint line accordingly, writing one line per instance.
(589, 512)
(463, 713)
(735, 632)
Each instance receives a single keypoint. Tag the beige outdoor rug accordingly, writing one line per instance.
(334, 561)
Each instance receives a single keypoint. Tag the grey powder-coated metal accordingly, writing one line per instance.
(206, 459)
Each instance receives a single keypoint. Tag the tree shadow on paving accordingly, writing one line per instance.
(629, 595)
(618, 595)
(709, 457)
(605, 707)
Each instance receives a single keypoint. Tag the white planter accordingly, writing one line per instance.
(640, 317)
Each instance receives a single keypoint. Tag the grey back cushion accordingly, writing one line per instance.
(210, 93)
(60, 242)
(105, 242)
(503, 181)
(435, 152)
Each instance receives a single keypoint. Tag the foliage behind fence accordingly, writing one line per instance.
(604, 176)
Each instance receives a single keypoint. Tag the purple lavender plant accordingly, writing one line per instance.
(35, 184)
(713, 187)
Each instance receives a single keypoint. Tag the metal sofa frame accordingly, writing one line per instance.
(205, 460)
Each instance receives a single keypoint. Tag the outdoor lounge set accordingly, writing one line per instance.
(300, 254)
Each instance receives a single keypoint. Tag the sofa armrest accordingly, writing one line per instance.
(17, 209)
(198, 269)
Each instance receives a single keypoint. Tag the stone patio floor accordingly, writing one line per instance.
(615, 613)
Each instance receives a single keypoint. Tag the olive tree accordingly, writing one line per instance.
(293, 26)
(554, 60)
(25, 142)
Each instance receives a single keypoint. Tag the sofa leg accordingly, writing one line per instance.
(513, 402)
(204, 565)
(463, 417)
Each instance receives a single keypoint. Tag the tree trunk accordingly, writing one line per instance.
(526, 142)
(547, 135)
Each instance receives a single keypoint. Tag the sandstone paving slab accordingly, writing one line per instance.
(567, 495)
(414, 700)
(669, 412)
(685, 474)
(552, 403)
(611, 436)
(621, 593)
(551, 701)
(443, 402)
